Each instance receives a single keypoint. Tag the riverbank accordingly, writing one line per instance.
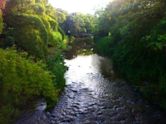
(91, 98)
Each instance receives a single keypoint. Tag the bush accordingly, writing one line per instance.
(28, 33)
(22, 81)
(103, 45)
(137, 44)
(56, 66)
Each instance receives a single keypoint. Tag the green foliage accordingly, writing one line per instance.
(56, 38)
(157, 38)
(35, 37)
(40, 28)
(101, 43)
(22, 80)
(78, 23)
(137, 43)
(56, 66)
(32, 27)
(39, 9)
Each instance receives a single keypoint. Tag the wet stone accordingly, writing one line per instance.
(53, 122)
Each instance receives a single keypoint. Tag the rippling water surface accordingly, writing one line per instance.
(89, 98)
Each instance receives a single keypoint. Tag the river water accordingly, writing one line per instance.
(92, 98)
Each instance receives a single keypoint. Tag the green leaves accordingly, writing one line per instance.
(37, 70)
(23, 80)
(20, 72)
(157, 38)
(78, 23)
(137, 43)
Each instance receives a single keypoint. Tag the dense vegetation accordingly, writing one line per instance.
(133, 34)
(22, 81)
(32, 38)
(79, 25)
(31, 64)
(79, 28)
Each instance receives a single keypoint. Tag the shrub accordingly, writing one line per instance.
(137, 44)
(103, 45)
(21, 81)
(56, 66)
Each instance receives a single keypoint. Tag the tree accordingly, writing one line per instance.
(78, 23)
(132, 33)
(36, 66)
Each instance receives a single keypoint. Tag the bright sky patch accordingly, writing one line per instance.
(83, 6)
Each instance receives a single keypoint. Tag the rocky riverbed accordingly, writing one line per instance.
(91, 98)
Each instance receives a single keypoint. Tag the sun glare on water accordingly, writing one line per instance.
(83, 6)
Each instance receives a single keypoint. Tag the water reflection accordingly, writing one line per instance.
(90, 98)
(81, 69)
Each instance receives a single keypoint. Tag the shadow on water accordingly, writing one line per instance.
(91, 98)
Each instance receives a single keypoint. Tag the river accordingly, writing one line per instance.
(92, 98)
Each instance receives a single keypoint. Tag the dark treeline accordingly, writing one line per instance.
(133, 34)
(79, 25)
